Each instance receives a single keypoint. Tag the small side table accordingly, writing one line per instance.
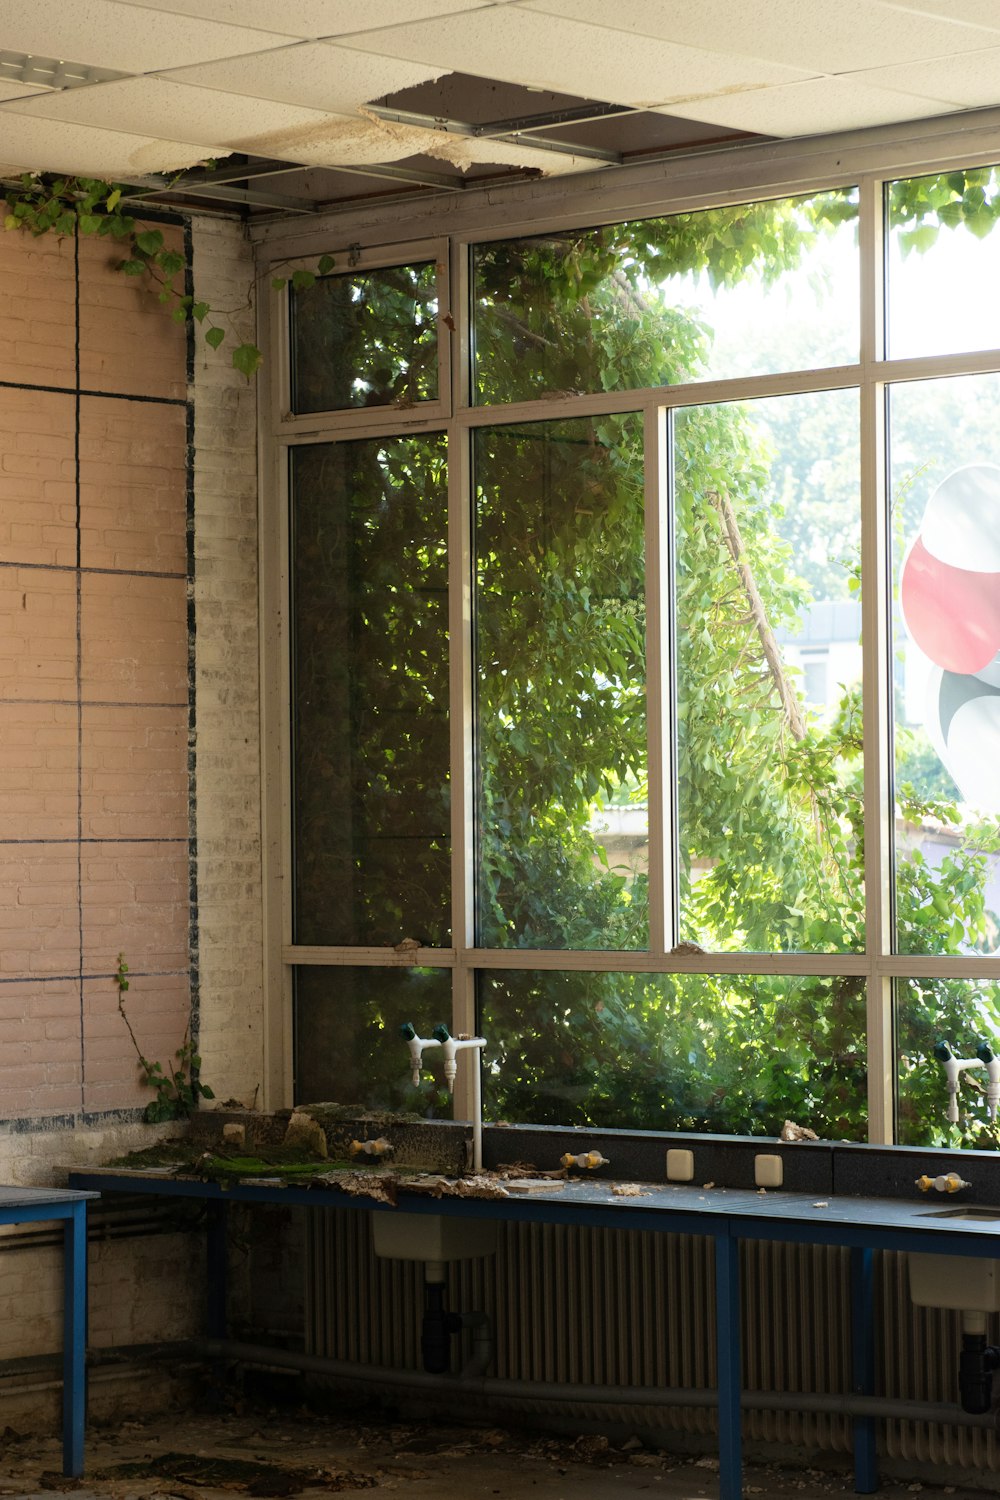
(34, 1205)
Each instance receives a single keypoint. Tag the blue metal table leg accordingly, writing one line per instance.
(863, 1367)
(729, 1361)
(74, 1339)
(217, 1269)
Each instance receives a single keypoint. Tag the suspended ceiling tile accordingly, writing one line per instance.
(314, 18)
(28, 145)
(808, 34)
(110, 34)
(818, 107)
(967, 82)
(158, 107)
(543, 51)
(316, 75)
(975, 12)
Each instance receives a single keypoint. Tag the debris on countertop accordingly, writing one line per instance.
(791, 1133)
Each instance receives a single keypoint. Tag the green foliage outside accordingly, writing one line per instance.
(770, 795)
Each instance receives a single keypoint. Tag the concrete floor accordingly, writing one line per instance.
(218, 1457)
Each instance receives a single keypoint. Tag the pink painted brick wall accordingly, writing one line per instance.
(94, 679)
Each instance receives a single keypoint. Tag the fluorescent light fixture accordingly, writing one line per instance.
(52, 72)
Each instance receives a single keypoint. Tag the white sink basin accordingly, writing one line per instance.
(963, 1213)
(402, 1236)
(955, 1281)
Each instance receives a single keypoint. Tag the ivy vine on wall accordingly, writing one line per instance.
(40, 203)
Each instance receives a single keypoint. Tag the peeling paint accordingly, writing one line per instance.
(367, 140)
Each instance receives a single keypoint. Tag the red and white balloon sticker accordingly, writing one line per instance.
(950, 596)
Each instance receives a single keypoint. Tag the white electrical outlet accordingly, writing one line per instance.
(680, 1165)
(768, 1171)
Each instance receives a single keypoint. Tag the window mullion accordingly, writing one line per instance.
(875, 601)
(461, 668)
(659, 698)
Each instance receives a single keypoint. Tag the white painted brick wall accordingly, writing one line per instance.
(227, 697)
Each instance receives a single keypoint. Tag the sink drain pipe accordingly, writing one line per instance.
(976, 1365)
(586, 1395)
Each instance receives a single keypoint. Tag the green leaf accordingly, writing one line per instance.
(248, 359)
(113, 200)
(199, 311)
(133, 267)
(303, 280)
(150, 241)
(325, 264)
(278, 283)
(170, 262)
(214, 337)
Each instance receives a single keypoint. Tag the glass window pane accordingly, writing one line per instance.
(943, 244)
(369, 339)
(370, 692)
(945, 480)
(767, 520)
(731, 1054)
(724, 292)
(560, 637)
(348, 1049)
(934, 1018)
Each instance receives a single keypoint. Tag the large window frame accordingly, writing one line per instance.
(866, 161)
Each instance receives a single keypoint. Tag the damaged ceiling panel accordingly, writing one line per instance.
(301, 106)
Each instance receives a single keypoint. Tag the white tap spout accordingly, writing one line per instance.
(991, 1062)
(451, 1047)
(416, 1044)
(954, 1067)
(993, 1087)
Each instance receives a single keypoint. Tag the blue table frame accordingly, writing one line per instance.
(37, 1205)
(726, 1216)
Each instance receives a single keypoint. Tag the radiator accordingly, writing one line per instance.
(628, 1308)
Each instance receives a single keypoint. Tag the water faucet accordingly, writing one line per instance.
(416, 1044)
(986, 1055)
(954, 1067)
(451, 1046)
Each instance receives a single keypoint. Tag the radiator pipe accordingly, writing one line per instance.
(623, 1395)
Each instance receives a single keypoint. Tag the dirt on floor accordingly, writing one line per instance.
(225, 1456)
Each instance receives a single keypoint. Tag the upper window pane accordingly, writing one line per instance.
(368, 339)
(945, 452)
(724, 292)
(562, 817)
(943, 246)
(767, 518)
(370, 692)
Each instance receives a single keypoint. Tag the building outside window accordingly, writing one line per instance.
(643, 586)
